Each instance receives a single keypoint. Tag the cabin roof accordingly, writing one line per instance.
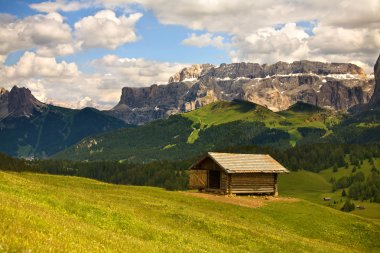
(245, 163)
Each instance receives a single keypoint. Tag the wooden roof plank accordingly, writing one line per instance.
(245, 163)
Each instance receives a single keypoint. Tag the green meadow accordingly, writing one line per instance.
(315, 186)
(48, 213)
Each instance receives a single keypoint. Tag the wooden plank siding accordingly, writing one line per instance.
(198, 179)
(223, 181)
(253, 183)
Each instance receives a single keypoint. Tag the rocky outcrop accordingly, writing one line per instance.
(334, 85)
(18, 102)
(190, 73)
(374, 103)
(141, 105)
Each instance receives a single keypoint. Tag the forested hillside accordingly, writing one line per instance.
(52, 129)
(213, 127)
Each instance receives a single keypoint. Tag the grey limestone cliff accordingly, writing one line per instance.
(337, 86)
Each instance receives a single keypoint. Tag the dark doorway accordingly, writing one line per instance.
(214, 179)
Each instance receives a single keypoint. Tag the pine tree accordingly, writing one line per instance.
(348, 206)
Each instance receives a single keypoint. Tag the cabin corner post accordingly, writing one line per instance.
(229, 184)
(275, 193)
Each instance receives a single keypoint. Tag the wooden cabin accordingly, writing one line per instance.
(227, 173)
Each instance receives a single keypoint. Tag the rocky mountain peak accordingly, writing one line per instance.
(3, 91)
(18, 102)
(277, 86)
(375, 99)
(190, 73)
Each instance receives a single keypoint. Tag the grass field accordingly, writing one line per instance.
(315, 186)
(41, 213)
(298, 115)
(222, 112)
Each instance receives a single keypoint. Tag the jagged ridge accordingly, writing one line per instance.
(335, 85)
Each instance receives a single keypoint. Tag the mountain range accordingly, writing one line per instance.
(337, 86)
(30, 128)
(278, 105)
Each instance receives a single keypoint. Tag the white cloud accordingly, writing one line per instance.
(330, 39)
(47, 31)
(2, 59)
(31, 65)
(44, 76)
(60, 5)
(50, 35)
(64, 84)
(85, 102)
(204, 40)
(270, 45)
(133, 72)
(60, 49)
(106, 30)
(241, 19)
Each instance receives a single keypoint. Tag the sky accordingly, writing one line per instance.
(81, 53)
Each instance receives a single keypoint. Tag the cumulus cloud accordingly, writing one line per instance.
(85, 102)
(204, 40)
(269, 45)
(31, 65)
(243, 19)
(339, 40)
(63, 84)
(60, 5)
(50, 35)
(106, 30)
(44, 76)
(134, 72)
(47, 31)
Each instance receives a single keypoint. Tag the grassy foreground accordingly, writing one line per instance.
(41, 213)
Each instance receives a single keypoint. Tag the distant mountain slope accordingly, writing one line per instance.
(30, 128)
(212, 127)
(337, 86)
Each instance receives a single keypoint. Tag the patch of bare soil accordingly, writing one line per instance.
(247, 201)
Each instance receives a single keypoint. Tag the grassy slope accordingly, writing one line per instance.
(314, 186)
(182, 134)
(56, 213)
(223, 112)
(299, 115)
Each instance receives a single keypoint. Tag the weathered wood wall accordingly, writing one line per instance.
(224, 181)
(253, 183)
(209, 164)
(198, 179)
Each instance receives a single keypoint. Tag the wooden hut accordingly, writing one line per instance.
(227, 173)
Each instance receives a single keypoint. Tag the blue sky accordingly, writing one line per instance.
(156, 41)
(82, 52)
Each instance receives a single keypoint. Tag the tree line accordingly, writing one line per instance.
(174, 174)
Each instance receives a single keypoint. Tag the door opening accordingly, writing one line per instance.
(214, 179)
